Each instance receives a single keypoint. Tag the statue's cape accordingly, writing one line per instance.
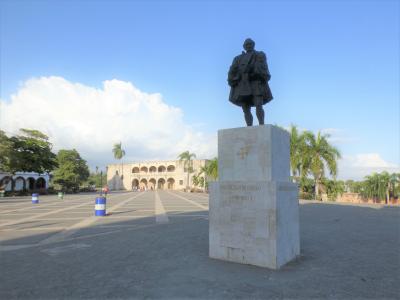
(246, 86)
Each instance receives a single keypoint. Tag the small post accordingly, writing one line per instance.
(101, 183)
(35, 198)
(100, 207)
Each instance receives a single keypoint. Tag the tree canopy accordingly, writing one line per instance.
(72, 170)
(30, 151)
(311, 154)
(210, 169)
(118, 152)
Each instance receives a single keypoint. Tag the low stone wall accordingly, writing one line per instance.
(356, 198)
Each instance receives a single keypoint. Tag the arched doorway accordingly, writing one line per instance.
(143, 183)
(19, 184)
(152, 184)
(170, 183)
(135, 184)
(161, 169)
(143, 169)
(6, 183)
(161, 183)
(31, 183)
(153, 169)
(171, 168)
(40, 183)
(135, 170)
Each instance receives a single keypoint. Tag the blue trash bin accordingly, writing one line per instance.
(35, 198)
(100, 206)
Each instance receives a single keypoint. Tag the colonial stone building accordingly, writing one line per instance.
(160, 174)
(24, 181)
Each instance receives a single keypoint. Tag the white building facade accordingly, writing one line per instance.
(24, 181)
(152, 175)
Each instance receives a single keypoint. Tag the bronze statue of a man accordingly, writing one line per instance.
(248, 78)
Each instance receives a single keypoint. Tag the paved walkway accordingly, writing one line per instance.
(155, 245)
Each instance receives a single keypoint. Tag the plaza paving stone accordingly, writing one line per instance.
(155, 246)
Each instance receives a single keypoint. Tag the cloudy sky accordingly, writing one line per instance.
(153, 75)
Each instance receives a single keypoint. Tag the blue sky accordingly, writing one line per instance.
(334, 64)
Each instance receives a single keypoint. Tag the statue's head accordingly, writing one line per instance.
(248, 45)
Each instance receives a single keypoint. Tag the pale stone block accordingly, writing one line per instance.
(254, 153)
(254, 214)
(265, 237)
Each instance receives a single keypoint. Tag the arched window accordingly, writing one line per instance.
(171, 168)
(143, 169)
(161, 169)
(135, 170)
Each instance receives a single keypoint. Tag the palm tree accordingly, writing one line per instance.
(318, 155)
(374, 187)
(379, 186)
(210, 169)
(297, 152)
(186, 158)
(295, 158)
(118, 154)
(394, 184)
(385, 181)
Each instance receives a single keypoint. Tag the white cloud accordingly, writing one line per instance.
(92, 120)
(360, 165)
(337, 136)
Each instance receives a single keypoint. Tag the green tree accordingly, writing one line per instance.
(30, 151)
(333, 188)
(395, 184)
(297, 152)
(372, 187)
(97, 179)
(195, 180)
(201, 181)
(350, 185)
(6, 147)
(210, 169)
(72, 170)
(380, 186)
(295, 157)
(385, 179)
(186, 158)
(119, 153)
(307, 188)
(318, 155)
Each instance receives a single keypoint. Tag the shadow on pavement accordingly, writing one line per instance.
(346, 252)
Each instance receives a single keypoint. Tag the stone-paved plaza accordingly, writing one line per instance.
(155, 245)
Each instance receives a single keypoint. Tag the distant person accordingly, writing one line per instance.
(105, 190)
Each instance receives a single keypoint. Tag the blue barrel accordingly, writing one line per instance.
(35, 198)
(100, 206)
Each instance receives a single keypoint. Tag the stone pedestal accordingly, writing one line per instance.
(254, 210)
